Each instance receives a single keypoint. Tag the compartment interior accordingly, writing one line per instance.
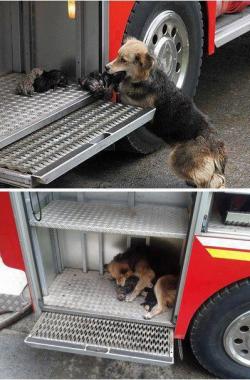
(230, 213)
(80, 232)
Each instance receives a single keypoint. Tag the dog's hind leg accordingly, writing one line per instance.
(145, 281)
(161, 305)
(196, 163)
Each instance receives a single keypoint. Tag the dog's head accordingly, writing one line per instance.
(134, 59)
(119, 271)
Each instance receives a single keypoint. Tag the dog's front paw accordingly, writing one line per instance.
(147, 316)
(130, 297)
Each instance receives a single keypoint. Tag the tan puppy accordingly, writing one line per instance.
(165, 292)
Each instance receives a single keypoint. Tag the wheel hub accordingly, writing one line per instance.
(237, 339)
(167, 39)
(166, 52)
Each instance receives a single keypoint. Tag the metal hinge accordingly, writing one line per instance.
(204, 223)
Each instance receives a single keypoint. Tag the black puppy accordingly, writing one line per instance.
(50, 80)
(101, 85)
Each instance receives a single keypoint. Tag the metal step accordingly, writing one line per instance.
(50, 152)
(141, 220)
(103, 337)
(21, 115)
(229, 27)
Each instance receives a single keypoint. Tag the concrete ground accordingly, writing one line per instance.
(223, 94)
(17, 360)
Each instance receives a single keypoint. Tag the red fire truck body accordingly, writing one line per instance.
(119, 13)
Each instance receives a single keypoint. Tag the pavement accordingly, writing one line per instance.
(223, 94)
(19, 361)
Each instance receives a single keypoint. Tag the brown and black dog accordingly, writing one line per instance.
(146, 263)
(198, 155)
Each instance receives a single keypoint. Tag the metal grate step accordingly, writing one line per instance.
(20, 115)
(142, 220)
(103, 337)
(48, 153)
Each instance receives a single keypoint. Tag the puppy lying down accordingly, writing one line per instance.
(198, 155)
(39, 80)
(143, 271)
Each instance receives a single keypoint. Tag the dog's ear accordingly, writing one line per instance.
(145, 60)
(128, 38)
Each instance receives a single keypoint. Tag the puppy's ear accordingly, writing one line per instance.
(146, 60)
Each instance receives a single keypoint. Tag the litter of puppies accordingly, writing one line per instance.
(144, 271)
(39, 80)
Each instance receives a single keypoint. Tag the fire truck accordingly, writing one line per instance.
(63, 239)
(46, 135)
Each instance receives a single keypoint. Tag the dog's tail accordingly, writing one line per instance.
(200, 161)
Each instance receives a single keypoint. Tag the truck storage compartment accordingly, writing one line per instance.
(48, 134)
(73, 236)
(230, 214)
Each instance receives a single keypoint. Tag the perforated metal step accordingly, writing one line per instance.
(48, 153)
(142, 220)
(103, 337)
(21, 115)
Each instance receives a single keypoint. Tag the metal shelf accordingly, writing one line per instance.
(142, 220)
(22, 115)
(103, 337)
(216, 226)
(92, 294)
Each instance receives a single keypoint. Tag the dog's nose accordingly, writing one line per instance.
(107, 67)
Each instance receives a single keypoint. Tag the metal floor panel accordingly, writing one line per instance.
(93, 294)
(141, 220)
(103, 337)
(53, 150)
(22, 115)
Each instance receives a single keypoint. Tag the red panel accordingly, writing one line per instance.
(119, 12)
(234, 6)
(211, 18)
(9, 243)
(206, 275)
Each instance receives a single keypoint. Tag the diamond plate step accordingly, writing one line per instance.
(55, 149)
(103, 337)
(21, 115)
(142, 220)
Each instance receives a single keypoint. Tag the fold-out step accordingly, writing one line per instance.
(55, 149)
(22, 115)
(103, 337)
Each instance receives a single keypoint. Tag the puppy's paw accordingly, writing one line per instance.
(130, 297)
(147, 316)
(147, 307)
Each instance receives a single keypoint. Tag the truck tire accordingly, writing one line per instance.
(220, 332)
(186, 26)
